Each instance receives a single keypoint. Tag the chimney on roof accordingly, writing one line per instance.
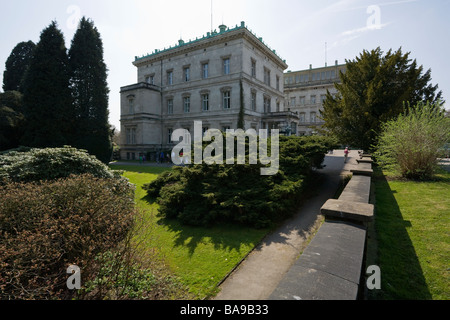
(222, 28)
(336, 62)
(310, 66)
(180, 42)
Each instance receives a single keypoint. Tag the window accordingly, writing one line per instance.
(266, 104)
(302, 117)
(322, 76)
(205, 70)
(333, 74)
(328, 75)
(150, 79)
(131, 135)
(323, 98)
(187, 73)
(313, 117)
(169, 78)
(170, 106)
(226, 66)
(278, 83)
(169, 131)
(253, 103)
(131, 105)
(225, 128)
(267, 76)
(302, 101)
(292, 101)
(187, 104)
(253, 68)
(205, 102)
(187, 136)
(313, 99)
(293, 128)
(226, 99)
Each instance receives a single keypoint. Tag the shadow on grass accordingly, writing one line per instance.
(225, 236)
(229, 236)
(401, 274)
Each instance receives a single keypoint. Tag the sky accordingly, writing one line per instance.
(303, 32)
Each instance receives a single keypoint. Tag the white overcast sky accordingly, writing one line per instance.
(296, 29)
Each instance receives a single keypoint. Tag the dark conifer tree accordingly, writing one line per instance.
(16, 65)
(373, 90)
(90, 91)
(11, 119)
(47, 100)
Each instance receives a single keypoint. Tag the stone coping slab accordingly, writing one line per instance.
(364, 160)
(357, 189)
(329, 268)
(348, 210)
(362, 172)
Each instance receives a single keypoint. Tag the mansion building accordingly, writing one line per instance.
(218, 79)
(305, 92)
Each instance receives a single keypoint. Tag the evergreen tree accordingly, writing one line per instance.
(47, 100)
(11, 119)
(16, 65)
(372, 91)
(90, 91)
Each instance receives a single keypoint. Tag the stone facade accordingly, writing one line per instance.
(305, 91)
(208, 79)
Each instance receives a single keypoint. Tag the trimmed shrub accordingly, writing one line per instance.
(50, 164)
(209, 194)
(47, 226)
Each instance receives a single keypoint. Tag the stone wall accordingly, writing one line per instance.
(331, 266)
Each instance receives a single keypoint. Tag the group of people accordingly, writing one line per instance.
(161, 157)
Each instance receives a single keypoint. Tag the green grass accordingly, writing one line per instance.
(413, 237)
(199, 257)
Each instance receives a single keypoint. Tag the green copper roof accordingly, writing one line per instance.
(223, 30)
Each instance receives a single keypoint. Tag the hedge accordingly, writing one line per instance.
(210, 194)
(25, 165)
(47, 226)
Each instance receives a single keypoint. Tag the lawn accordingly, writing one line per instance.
(413, 237)
(200, 257)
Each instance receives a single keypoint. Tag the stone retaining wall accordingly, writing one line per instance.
(330, 268)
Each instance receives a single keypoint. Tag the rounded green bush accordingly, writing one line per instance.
(50, 164)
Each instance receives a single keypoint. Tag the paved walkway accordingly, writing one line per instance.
(445, 163)
(259, 274)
